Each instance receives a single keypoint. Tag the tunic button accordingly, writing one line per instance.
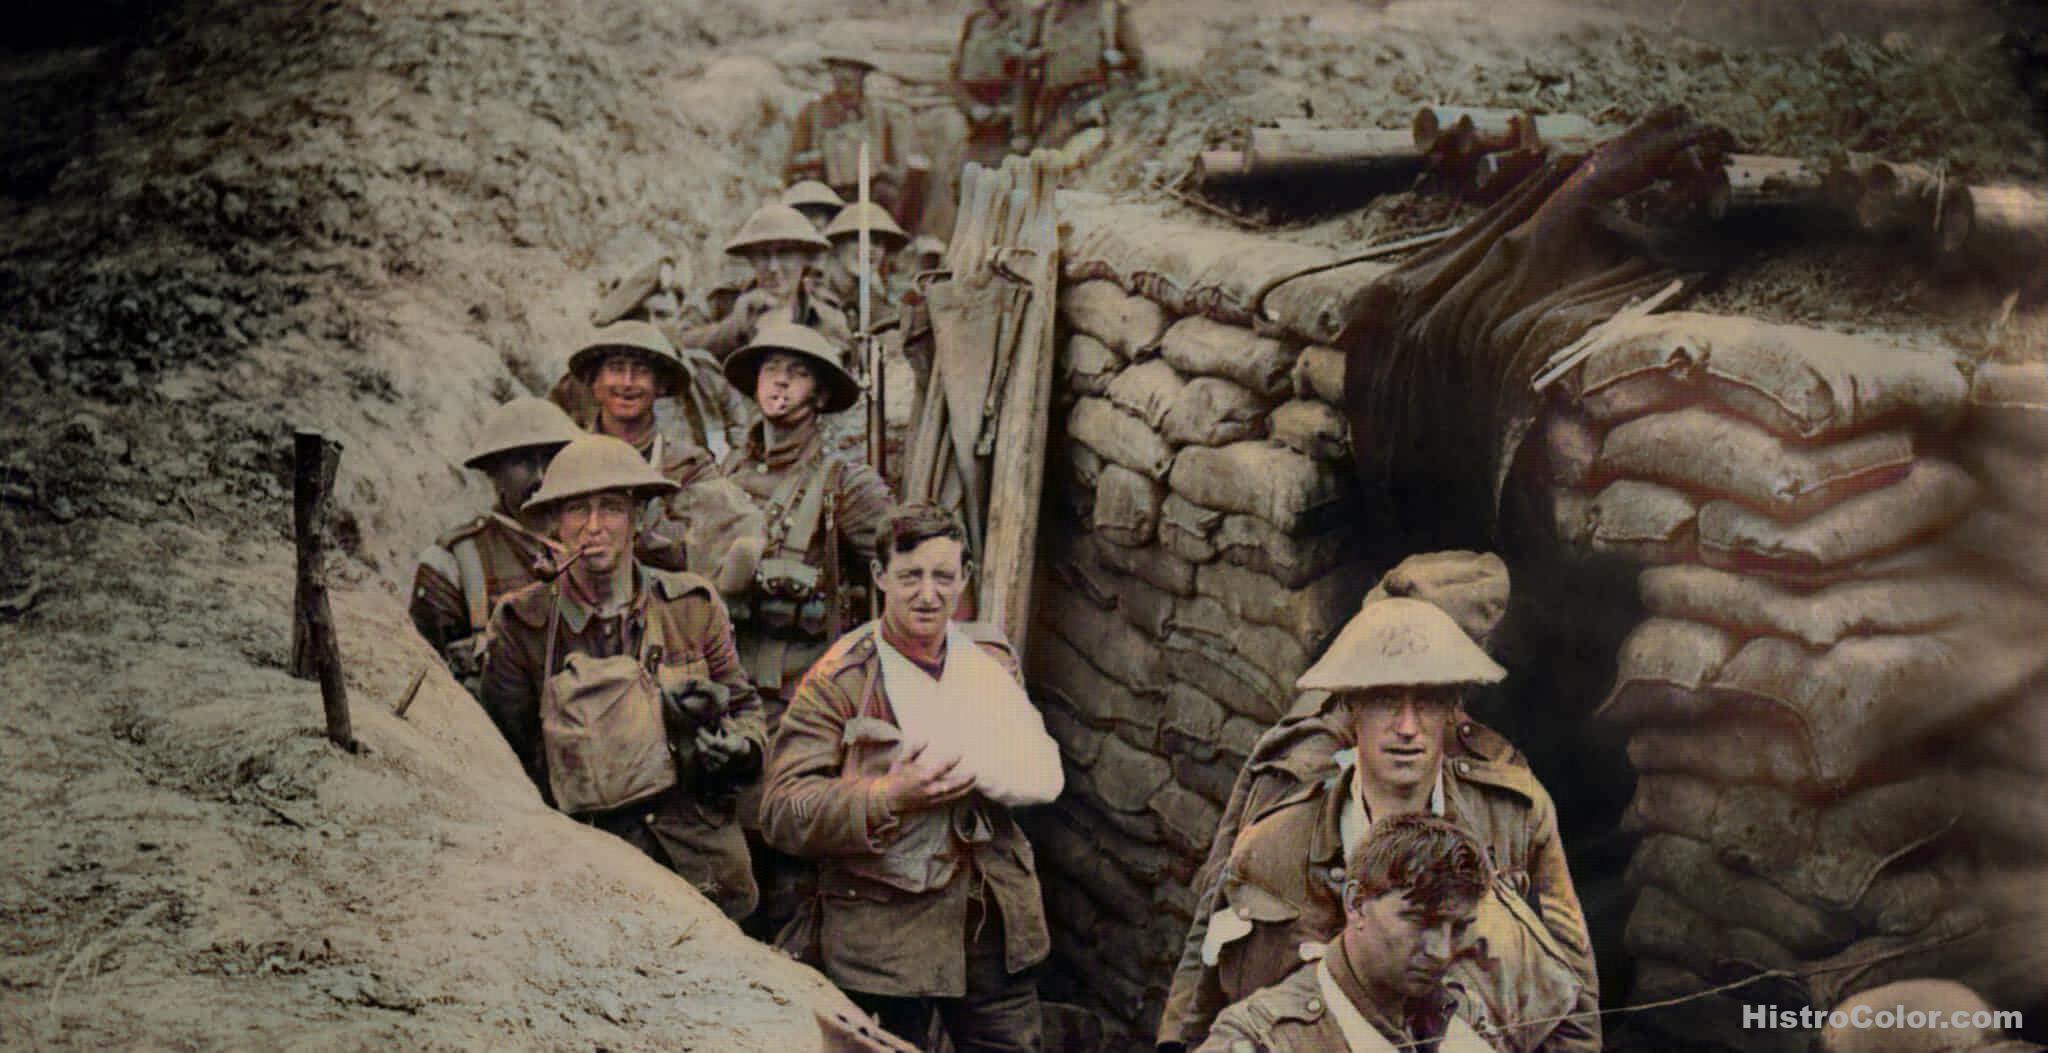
(1464, 766)
(1465, 729)
(1336, 873)
(1315, 1005)
(1243, 1046)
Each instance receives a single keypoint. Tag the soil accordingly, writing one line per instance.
(222, 221)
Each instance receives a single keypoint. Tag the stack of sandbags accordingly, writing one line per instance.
(1211, 561)
(1845, 589)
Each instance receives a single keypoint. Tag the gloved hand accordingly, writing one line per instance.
(692, 705)
(727, 755)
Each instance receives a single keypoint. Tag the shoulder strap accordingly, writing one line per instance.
(1108, 10)
(475, 590)
(547, 662)
(803, 522)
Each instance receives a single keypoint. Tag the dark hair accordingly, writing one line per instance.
(908, 526)
(1433, 862)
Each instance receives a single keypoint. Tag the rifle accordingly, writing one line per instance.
(870, 348)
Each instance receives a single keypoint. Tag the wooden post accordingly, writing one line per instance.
(315, 655)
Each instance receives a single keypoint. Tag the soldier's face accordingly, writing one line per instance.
(777, 270)
(1394, 943)
(846, 80)
(848, 252)
(921, 588)
(664, 309)
(601, 527)
(787, 388)
(516, 474)
(625, 387)
(1400, 736)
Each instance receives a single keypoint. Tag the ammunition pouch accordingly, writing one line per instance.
(788, 599)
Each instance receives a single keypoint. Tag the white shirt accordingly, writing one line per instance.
(974, 710)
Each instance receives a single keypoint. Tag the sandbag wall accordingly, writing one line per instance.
(1202, 550)
(1836, 706)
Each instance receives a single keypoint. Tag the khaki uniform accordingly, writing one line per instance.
(1279, 887)
(707, 413)
(1072, 37)
(977, 906)
(676, 622)
(988, 70)
(824, 144)
(1311, 1012)
(460, 580)
(817, 508)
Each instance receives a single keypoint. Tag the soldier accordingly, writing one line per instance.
(819, 508)
(885, 238)
(896, 769)
(1394, 679)
(815, 200)
(1077, 47)
(824, 143)
(469, 569)
(1410, 900)
(617, 685)
(629, 368)
(712, 414)
(988, 77)
(783, 249)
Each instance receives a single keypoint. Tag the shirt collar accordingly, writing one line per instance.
(794, 447)
(576, 614)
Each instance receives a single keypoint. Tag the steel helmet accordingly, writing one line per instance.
(882, 226)
(625, 296)
(812, 194)
(1400, 642)
(594, 464)
(521, 423)
(743, 367)
(775, 224)
(670, 372)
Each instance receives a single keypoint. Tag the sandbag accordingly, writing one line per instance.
(1272, 651)
(1190, 820)
(1312, 429)
(1312, 306)
(1571, 448)
(1692, 871)
(1261, 478)
(1726, 748)
(1820, 618)
(1127, 778)
(1932, 496)
(2009, 405)
(1185, 528)
(1057, 667)
(1127, 507)
(1311, 614)
(1663, 926)
(1124, 324)
(1571, 517)
(1711, 454)
(1289, 559)
(1144, 605)
(1079, 572)
(1825, 853)
(2014, 543)
(1663, 667)
(1108, 643)
(2013, 734)
(1089, 366)
(1793, 380)
(1212, 411)
(1215, 669)
(2005, 812)
(1471, 587)
(1195, 718)
(2012, 474)
(1119, 437)
(1079, 743)
(1319, 375)
(1186, 268)
(1163, 570)
(1146, 391)
(1199, 347)
(1643, 521)
(1870, 696)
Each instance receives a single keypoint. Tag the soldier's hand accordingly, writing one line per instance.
(726, 753)
(916, 782)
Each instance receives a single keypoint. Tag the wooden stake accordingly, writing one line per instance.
(412, 691)
(315, 654)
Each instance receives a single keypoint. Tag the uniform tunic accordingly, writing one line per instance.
(503, 550)
(1314, 1011)
(1073, 38)
(699, 839)
(1279, 887)
(830, 116)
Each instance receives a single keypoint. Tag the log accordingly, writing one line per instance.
(315, 654)
(2001, 231)
(1219, 167)
(1292, 153)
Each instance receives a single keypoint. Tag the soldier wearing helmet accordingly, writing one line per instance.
(786, 254)
(987, 76)
(617, 685)
(711, 414)
(466, 571)
(1389, 691)
(631, 370)
(885, 239)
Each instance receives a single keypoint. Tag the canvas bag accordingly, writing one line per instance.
(601, 727)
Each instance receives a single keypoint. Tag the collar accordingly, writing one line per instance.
(576, 614)
(1420, 1020)
(1326, 840)
(793, 448)
(884, 638)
